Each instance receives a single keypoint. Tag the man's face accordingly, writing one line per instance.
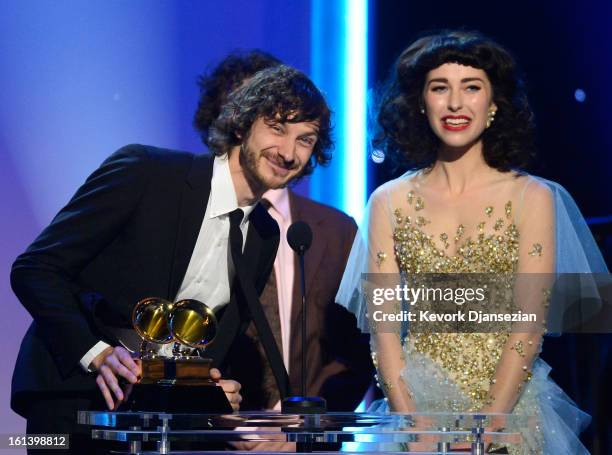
(275, 153)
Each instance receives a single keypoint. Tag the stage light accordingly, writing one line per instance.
(580, 95)
(355, 130)
(339, 58)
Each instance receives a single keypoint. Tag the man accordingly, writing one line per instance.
(153, 222)
(338, 355)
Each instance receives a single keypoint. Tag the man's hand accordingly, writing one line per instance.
(118, 362)
(111, 364)
(230, 387)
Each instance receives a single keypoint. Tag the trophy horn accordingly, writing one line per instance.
(150, 319)
(193, 323)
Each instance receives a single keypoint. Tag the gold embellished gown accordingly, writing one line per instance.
(507, 231)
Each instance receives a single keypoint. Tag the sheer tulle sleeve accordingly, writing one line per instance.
(372, 265)
(533, 282)
(557, 252)
(576, 247)
(583, 290)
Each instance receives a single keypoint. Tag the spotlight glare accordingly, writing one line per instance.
(377, 156)
(580, 95)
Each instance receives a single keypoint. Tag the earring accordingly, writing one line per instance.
(422, 110)
(490, 117)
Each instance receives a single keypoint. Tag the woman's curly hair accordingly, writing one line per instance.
(280, 93)
(404, 133)
(216, 85)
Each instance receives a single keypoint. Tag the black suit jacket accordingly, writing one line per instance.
(128, 233)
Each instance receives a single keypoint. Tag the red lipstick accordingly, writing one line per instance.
(456, 122)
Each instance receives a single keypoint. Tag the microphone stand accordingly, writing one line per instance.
(304, 322)
(303, 404)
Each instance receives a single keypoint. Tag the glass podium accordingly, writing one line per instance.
(358, 433)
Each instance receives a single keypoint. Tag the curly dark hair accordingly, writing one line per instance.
(404, 133)
(280, 93)
(216, 85)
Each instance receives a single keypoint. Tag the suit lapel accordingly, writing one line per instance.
(194, 199)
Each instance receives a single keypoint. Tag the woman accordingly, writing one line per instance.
(455, 111)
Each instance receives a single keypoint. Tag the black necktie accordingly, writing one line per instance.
(236, 233)
(255, 308)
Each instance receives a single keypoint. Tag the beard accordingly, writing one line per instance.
(249, 161)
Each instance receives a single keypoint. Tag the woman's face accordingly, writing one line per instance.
(457, 100)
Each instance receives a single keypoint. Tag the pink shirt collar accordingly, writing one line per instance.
(280, 201)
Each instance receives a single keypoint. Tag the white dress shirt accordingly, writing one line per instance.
(210, 269)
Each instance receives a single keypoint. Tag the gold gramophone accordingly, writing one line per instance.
(170, 378)
(190, 325)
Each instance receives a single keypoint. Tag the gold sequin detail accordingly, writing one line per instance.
(398, 216)
(493, 253)
(459, 233)
(383, 384)
(420, 221)
(420, 205)
(508, 209)
(499, 223)
(481, 234)
(410, 197)
(518, 347)
(380, 258)
(470, 359)
(526, 378)
(387, 385)
(444, 238)
(489, 211)
(467, 357)
(536, 250)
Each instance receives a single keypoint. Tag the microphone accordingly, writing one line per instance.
(299, 237)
